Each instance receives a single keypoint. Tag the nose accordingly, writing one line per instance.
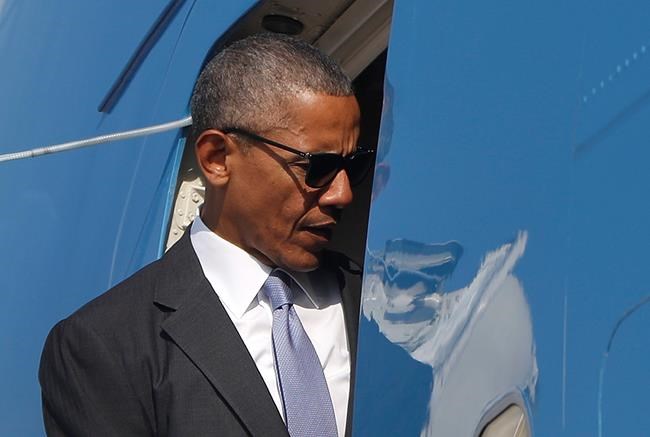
(338, 193)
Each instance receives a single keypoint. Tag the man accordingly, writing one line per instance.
(247, 326)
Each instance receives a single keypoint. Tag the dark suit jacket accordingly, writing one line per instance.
(158, 355)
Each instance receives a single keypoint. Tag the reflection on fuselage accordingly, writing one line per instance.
(478, 340)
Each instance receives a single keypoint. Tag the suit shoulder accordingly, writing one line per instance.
(132, 301)
(125, 302)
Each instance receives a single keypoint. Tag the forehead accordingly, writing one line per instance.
(322, 120)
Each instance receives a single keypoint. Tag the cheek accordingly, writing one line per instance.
(288, 208)
(283, 221)
(275, 206)
(272, 220)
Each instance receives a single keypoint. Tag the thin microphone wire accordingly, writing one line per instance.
(117, 136)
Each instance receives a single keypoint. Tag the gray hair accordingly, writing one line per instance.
(248, 84)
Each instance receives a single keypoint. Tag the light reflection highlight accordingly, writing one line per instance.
(478, 340)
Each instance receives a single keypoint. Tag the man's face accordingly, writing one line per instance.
(268, 210)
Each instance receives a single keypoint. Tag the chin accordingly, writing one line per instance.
(302, 261)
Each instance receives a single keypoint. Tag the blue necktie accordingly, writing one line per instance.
(307, 403)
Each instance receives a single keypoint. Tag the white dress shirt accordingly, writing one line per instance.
(237, 278)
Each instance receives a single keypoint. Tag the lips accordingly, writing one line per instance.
(323, 232)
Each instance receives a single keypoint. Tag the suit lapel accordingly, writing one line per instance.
(200, 326)
(350, 297)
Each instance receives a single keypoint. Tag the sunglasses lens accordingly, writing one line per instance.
(358, 165)
(323, 167)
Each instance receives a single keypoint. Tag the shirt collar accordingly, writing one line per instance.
(317, 286)
(237, 277)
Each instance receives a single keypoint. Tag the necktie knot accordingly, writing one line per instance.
(277, 289)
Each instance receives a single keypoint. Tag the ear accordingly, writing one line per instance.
(212, 148)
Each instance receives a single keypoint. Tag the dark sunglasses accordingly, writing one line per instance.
(323, 167)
